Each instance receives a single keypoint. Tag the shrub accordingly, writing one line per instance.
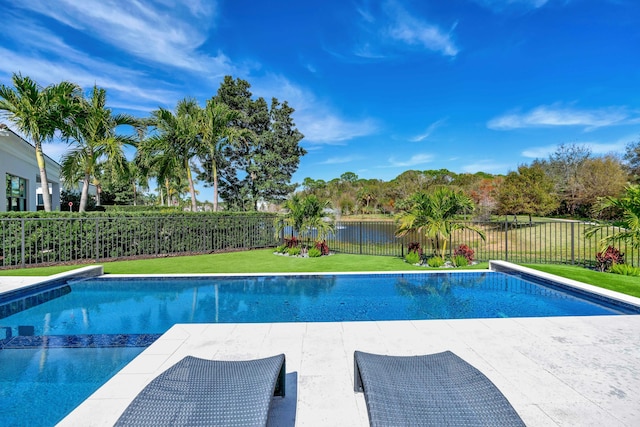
(314, 253)
(292, 242)
(281, 249)
(294, 251)
(460, 261)
(322, 247)
(412, 257)
(625, 270)
(435, 262)
(414, 247)
(465, 251)
(605, 260)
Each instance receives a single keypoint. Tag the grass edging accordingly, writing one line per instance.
(615, 282)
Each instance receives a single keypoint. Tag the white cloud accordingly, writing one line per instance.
(388, 29)
(167, 34)
(368, 51)
(331, 129)
(159, 35)
(597, 148)
(432, 127)
(557, 115)
(541, 152)
(120, 82)
(55, 150)
(339, 160)
(316, 119)
(416, 159)
(406, 28)
(488, 166)
(500, 5)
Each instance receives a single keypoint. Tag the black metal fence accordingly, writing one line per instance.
(553, 242)
(44, 241)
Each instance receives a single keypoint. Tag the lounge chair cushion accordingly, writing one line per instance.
(433, 390)
(199, 392)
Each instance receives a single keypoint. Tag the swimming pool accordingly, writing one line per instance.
(104, 322)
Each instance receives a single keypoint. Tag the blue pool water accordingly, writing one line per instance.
(81, 333)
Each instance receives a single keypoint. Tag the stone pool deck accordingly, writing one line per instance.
(559, 371)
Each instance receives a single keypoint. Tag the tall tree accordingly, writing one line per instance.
(528, 191)
(564, 167)
(632, 156)
(218, 133)
(38, 112)
(275, 156)
(178, 138)
(600, 177)
(406, 184)
(261, 169)
(235, 173)
(434, 215)
(92, 133)
(484, 193)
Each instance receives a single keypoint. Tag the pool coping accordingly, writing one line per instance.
(501, 266)
(18, 284)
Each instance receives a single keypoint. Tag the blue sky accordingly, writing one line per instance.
(379, 87)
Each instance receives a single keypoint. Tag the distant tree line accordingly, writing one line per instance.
(568, 183)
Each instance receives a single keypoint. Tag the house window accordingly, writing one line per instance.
(16, 193)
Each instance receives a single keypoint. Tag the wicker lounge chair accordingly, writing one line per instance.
(199, 392)
(433, 390)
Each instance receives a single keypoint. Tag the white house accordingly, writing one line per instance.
(23, 191)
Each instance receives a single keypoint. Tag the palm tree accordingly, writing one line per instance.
(433, 213)
(629, 206)
(317, 216)
(178, 139)
(155, 158)
(38, 112)
(216, 134)
(92, 131)
(305, 215)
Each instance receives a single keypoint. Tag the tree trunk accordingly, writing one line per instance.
(192, 189)
(215, 188)
(44, 181)
(166, 185)
(84, 196)
(135, 194)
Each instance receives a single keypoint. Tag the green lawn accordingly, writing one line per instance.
(263, 261)
(615, 282)
(257, 261)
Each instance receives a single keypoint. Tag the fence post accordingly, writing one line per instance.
(506, 239)
(156, 236)
(22, 243)
(97, 240)
(360, 236)
(573, 257)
